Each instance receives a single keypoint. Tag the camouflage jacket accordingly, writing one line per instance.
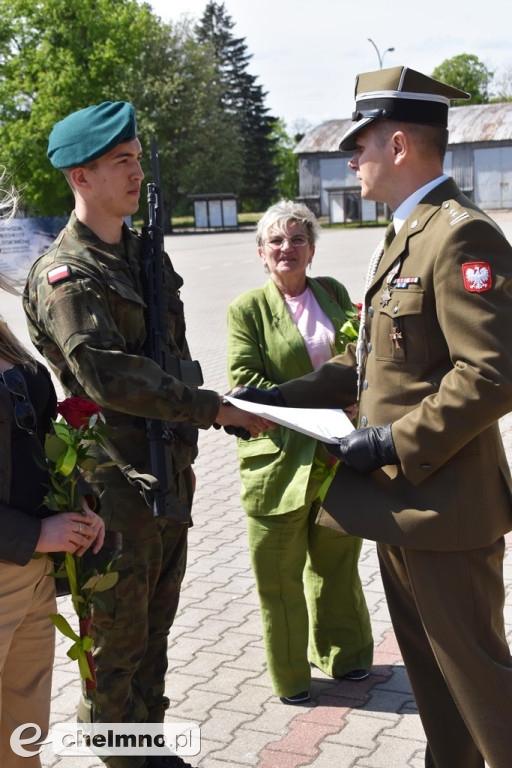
(85, 314)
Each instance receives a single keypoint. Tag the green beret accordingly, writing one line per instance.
(90, 133)
(399, 93)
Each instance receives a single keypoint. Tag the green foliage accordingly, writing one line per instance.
(57, 56)
(286, 163)
(468, 73)
(191, 92)
(242, 101)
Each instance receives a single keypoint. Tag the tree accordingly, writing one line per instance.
(502, 85)
(286, 163)
(243, 101)
(57, 56)
(468, 73)
(178, 103)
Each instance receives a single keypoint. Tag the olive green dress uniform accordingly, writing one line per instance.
(439, 368)
(89, 324)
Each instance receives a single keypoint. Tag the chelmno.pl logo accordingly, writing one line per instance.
(107, 739)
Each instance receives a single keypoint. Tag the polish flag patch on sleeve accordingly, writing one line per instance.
(477, 276)
(58, 274)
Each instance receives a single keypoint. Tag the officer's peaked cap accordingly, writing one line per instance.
(402, 94)
(90, 133)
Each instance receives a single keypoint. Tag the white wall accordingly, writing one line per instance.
(493, 177)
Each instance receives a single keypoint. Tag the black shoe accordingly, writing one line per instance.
(298, 698)
(167, 761)
(356, 675)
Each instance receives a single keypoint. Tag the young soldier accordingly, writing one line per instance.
(86, 316)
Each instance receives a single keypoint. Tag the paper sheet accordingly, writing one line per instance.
(325, 424)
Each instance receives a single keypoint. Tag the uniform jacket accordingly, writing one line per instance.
(439, 368)
(265, 348)
(90, 327)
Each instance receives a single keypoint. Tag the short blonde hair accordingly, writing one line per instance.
(283, 212)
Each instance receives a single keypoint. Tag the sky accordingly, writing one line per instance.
(306, 55)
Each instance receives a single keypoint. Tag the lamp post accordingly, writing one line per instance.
(381, 58)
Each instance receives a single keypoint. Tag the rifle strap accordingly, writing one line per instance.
(145, 482)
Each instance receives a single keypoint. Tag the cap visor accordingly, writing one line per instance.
(348, 141)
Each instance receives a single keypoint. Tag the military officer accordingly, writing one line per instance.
(435, 375)
(86, 316)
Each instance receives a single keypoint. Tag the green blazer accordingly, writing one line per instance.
(265, 349)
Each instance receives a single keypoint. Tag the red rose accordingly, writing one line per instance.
(359, 307)
(77, 411)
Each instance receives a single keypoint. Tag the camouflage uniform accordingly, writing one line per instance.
(89, 325)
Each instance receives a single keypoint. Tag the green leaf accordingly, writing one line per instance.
(88, 464)
(107, 581)
(54, 447)
(63, 431)
(66, 463)
(71, 572)
(92, 581)
(63, 626)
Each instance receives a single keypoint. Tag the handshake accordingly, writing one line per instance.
(365, 450)
(241, 423)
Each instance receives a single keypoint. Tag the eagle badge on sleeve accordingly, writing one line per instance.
(477, 276)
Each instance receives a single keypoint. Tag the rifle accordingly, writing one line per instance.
(162, 434)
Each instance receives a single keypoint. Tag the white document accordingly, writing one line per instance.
(326, 424)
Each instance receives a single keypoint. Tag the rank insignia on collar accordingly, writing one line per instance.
(477, 276)
(58, 274)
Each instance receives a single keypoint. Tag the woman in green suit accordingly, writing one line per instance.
(312, 602)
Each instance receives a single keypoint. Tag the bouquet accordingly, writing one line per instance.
(81, 424)
(350, 329)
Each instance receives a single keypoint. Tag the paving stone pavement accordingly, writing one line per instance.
(217, 676)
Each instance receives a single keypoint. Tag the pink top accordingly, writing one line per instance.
(314, 326)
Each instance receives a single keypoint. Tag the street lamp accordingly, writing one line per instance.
(381, 58)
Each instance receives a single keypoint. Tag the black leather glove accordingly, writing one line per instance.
(366, 449)
(244, 434)
(263, 396)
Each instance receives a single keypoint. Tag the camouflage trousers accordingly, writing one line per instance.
(132, 622)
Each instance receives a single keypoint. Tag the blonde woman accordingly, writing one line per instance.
(312, 603)
(27, 593)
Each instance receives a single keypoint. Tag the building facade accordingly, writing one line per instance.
(479, 158)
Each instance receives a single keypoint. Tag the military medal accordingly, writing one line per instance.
(385, 297)
(396, 336)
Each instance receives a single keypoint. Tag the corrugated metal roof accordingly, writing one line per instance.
(324, 138)
(478, 122)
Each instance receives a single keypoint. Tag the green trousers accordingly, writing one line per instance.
(312, 603)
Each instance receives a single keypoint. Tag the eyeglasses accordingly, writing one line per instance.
(24, 414)
(296, 241)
